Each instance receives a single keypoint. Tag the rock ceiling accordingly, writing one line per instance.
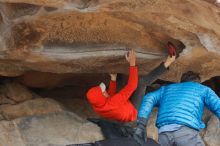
(91, 36)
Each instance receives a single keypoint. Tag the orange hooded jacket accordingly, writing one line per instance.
(118, 106)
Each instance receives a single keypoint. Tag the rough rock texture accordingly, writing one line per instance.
(213, 132)
(51, 80)
(16, 92)
(90, 36)
(43, 122)
(12, 92)
(37, 121)
(30, 108)
(152, 131)
(55, 129)
(73, 101)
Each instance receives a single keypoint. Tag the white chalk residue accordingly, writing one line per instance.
(80, 52)
(210, 42)
(79, 7)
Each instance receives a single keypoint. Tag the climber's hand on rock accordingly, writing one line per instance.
(169, 61)
(131, 57)
(113, 77)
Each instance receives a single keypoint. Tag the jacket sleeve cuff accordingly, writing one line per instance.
(163, 66)
(142, 121)
(133, 68)
(112, 82)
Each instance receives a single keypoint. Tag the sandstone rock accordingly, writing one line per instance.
(57, 129)
(10, 134)
(206, 117)
(79, 106)
(45, 40)
(68, 4)
(152, 130)
(16, 92)
(1, 117)
(72, 97)
(212, 134)
(5, 100)
(44, 122)
(33, 107)
(35, 79)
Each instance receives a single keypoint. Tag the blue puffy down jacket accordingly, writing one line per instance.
(181, 103)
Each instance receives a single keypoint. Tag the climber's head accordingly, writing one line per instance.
(190, 76)
(97, 95)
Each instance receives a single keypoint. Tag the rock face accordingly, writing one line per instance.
(30, 120)
(43, 122)
(91, 36)
(57, 129)
(212, 133)
(16, 92)
(48, 44)
(151, 128)
(30, 108)
(12, 93)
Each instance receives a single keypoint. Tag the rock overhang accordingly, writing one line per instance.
(92, 36)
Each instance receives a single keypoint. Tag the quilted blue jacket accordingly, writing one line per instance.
(181, 103)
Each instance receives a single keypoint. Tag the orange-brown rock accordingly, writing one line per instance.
(211, 136)
(61, 128)
(91, 36)
(39, 106)
(16, 92)
(51, 80)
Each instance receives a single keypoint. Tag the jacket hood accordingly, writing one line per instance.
(96, 97)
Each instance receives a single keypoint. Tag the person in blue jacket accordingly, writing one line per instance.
(180, 110)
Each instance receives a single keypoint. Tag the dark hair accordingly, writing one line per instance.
(190, 76)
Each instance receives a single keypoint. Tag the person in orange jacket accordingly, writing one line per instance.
(112, 105)
(118, 106)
